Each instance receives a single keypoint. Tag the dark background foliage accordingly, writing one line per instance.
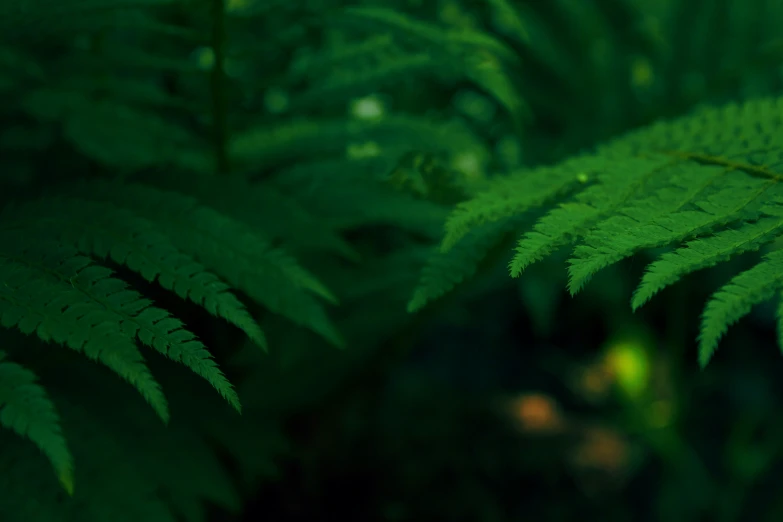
(506, 400)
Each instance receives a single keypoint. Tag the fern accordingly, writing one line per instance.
(475, 54)
(708, 184)
(237, 253)
(112, 132)
(444, 271)
(53, 289)
(28, 410)
(49, 291)
(123, 103)
(138, 470)
(134, 241)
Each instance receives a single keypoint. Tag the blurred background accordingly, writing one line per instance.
(507, 399)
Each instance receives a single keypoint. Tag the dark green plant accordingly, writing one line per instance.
(209, 183)
(706, 185)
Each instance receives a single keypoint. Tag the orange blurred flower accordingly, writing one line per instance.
(602, 449)
(536, 413)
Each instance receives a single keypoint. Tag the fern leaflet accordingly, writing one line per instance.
(26, 409)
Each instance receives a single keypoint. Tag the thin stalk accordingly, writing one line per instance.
(218, 87)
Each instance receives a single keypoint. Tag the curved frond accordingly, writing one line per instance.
(444, 271)
(41, 299)
(619, 182)
(135, 242)
(265, 207)
(232, 249)
(26, 408)
(668, 222)
(476, 55)
(729, 304)
(125, 310)
(514, 194)
(704, 253)
(708, 185)
(282, 144)
(349, 194)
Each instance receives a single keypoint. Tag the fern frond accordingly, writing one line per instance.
(478, 55)
(356, 69)
(514, 194)
(130, 314)
(135, 242)
(622, 180)
(347, 194)
(281, 144)
(704, 253)
(735, 300)
(34, 19)
(510, 21)
(153, 326)
(444, 271)
(231, 249)
(407, 27)
(26, 408)
(668, 223)
(712, 178)
(41, 298)
(266, 208)
(128, 468)
(113, 133)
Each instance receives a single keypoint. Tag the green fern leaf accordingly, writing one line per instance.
(735, 300)
(26, 409)
(346, 71)
(573, 219)
(230, 248)
(348, 195)
(275, 146)
(444, 271)
(712, 178)
(515, 194)
(265, 207)
(153, 326)
(42, 300)
(510, 21)
(135, 242)
(703, 253)
(474, 54)
(114, 134)
(668, 223)
(33, 20)
(401, 24)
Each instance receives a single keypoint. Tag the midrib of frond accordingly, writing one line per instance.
(728, 164)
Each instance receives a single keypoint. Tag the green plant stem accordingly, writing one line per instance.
(217, 83)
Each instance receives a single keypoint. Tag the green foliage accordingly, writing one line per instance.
(706, 185)
(171, 180)
(28, 411)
